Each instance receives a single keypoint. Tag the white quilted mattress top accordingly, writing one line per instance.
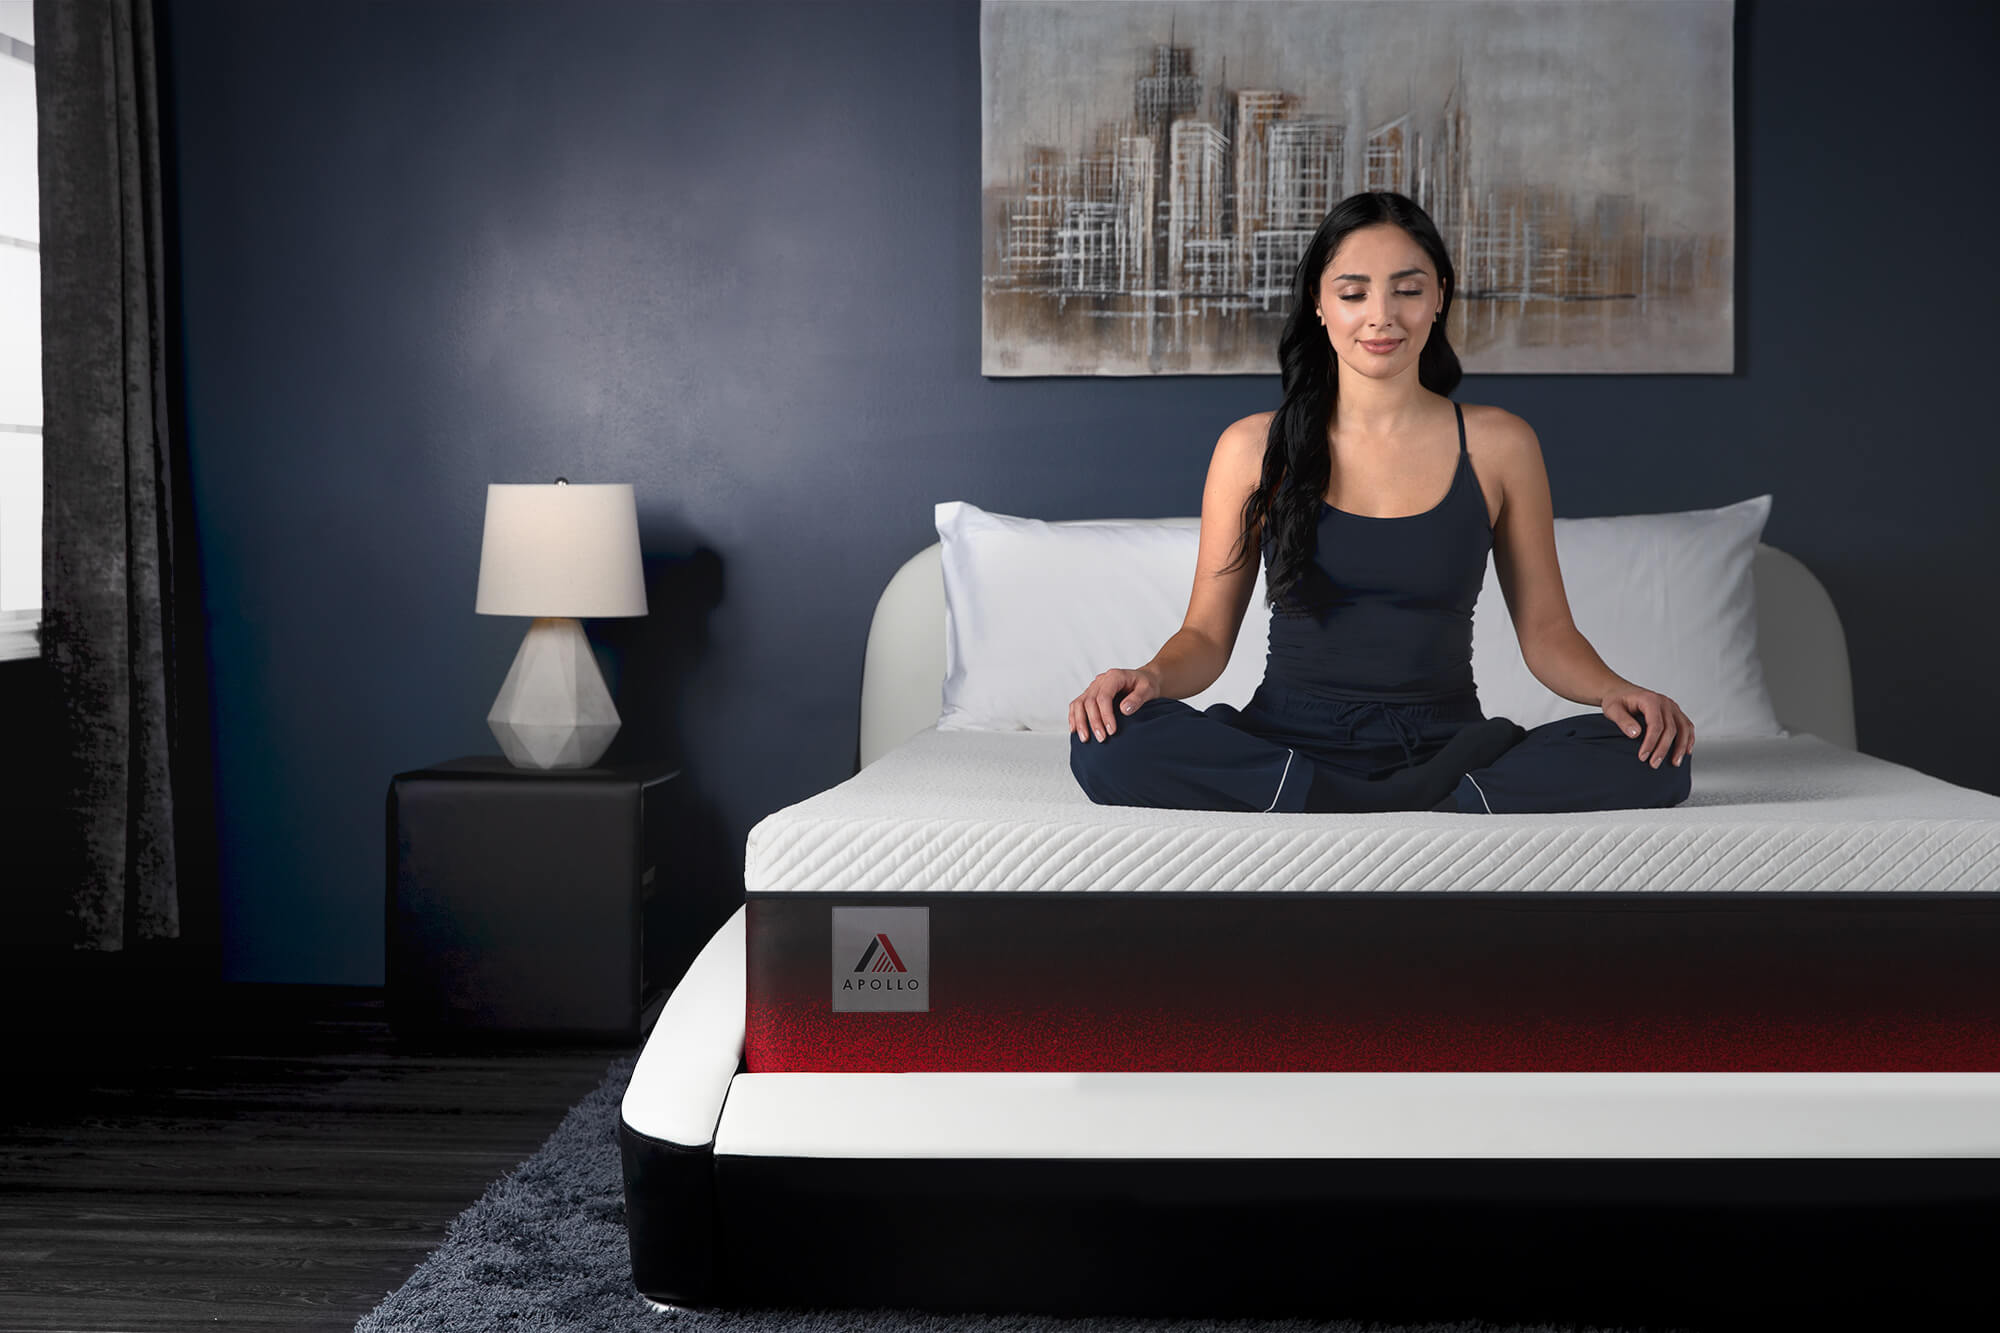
(999, 812)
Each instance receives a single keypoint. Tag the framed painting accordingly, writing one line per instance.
(1153, 171)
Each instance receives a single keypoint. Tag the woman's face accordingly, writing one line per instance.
(1378, 298)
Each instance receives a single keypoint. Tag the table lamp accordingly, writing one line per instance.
(556, 553)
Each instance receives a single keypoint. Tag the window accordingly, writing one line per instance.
(20, 338)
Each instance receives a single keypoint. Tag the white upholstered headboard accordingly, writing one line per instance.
(1799, 640)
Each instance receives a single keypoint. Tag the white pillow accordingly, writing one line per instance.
(1034, 610)
(1668, 602)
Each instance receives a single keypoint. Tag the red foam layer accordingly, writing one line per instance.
(811, 1039)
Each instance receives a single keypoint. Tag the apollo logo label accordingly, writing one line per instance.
(881, 959)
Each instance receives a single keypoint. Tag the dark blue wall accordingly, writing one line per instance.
(730, 253)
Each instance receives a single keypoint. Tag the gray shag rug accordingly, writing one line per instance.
(544, 1249)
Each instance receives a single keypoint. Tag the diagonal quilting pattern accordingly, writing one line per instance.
(998, 812)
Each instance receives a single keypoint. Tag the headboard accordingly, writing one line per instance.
(1799, 640)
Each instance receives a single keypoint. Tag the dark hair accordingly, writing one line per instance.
(1297, 461)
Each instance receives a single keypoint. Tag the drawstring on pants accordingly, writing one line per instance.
(1406, 730)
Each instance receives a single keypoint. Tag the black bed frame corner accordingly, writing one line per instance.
(670, 1218)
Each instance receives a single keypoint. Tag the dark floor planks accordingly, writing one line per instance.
(282, 1176)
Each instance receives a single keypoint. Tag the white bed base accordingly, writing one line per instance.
(704, 1142)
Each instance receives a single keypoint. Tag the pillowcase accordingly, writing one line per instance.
(1034, 610)
(1668, 602)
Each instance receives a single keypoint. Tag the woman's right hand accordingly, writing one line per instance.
(1095, 711)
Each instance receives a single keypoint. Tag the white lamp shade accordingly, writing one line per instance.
(561, 550)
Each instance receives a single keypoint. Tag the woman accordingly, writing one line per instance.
(1367, 701)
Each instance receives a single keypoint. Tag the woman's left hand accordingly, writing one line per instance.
(1668, 731)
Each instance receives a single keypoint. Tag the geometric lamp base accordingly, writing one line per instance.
(553, 710)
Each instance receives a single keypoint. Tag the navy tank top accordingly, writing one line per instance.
(1384, 609)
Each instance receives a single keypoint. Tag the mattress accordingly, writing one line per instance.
(960, 905)
(998, 812)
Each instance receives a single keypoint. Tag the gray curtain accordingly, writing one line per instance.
(108, 542)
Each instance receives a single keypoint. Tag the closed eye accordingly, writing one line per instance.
(1362, 296)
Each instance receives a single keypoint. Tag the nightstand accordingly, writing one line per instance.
(533, 901)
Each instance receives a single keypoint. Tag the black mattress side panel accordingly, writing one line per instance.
(670, 1215)
(1391, 981)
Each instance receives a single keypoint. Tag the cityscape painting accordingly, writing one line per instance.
(1153, 171)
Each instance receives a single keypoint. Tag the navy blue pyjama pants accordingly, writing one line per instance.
(1288, 751)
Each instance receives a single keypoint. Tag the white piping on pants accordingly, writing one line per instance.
(1289, 756)
(1482, 792)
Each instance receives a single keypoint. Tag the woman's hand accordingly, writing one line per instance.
(1668, 731)
(1095, 711)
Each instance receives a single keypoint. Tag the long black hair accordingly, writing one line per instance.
(1298, 462)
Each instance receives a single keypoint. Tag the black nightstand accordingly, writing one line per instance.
(533, 901)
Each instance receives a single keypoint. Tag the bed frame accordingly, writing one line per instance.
(1613, 1197)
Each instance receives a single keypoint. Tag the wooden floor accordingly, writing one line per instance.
(284, 1173)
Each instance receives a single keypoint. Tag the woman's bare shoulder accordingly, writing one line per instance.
(1506, 454)
(1239, 453)
(1246, 435)
(1494, 426)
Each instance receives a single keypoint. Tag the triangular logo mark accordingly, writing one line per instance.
(880, 956)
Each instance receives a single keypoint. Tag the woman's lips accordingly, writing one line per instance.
(1384, 347)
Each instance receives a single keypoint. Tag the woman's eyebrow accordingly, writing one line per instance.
(1363, 277)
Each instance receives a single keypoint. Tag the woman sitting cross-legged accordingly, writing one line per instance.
(1367, 702)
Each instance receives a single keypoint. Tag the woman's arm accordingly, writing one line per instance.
(1192, 659)
(1196, 655)
(1555, 651)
